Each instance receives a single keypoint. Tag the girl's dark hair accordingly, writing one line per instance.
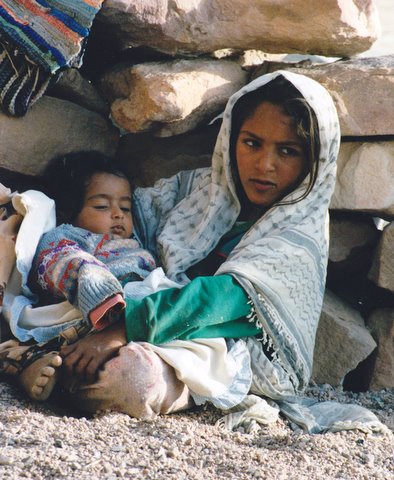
(282, 93)
(67, 177)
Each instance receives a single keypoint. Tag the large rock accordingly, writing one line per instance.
(146, 159)
(362, 89)
(365, 178)
(52, 127)
(382, 270)
(72, 86)
(353, 239)
(381, 324)
(350, 238)
(342, 341)
(334, 28)
(170, 98)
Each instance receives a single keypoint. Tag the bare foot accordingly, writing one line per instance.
(35, 370)
(39, 379)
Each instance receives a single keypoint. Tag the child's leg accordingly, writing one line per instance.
(35, 367)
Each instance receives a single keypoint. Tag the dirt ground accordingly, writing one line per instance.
(47, 441)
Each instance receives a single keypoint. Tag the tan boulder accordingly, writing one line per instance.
(382, 270)
(381, 324)
(342, 341)
(365, 178)
(170, 98)
(362, 89)
(335, 28)
(52, 127)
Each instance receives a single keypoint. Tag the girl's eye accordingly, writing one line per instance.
(252, 143)
(100, 207)
(290, 152)
(126, 209)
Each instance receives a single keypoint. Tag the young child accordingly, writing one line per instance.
(86, 260)
(91, 255)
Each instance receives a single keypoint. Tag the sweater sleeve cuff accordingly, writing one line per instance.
(108, 312)
(95, 286)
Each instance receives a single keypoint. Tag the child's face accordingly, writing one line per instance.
(107, 206)
(270, 156)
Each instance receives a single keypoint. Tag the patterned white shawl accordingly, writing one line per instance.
(281, 261)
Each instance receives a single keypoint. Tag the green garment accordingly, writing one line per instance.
(208, 307)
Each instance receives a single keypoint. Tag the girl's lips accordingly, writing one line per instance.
(262, 185)
(117, 229)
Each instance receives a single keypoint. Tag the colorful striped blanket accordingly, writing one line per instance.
(49, 32)
(37, 38)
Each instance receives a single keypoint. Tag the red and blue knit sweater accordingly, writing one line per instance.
(86, 268)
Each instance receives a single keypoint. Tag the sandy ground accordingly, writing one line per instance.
(45, 441)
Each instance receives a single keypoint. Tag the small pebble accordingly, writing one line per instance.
(4, 460)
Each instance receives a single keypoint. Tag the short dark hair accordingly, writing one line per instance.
(284, 94)
(67, 177)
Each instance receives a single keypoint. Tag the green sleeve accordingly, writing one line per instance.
(208, 307)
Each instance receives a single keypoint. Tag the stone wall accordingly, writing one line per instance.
(155, 73)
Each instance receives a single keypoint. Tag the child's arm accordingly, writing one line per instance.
(64, 269)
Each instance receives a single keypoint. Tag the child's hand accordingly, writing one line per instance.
(85, 357)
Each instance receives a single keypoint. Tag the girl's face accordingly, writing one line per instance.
(107, 206)
(270, 156)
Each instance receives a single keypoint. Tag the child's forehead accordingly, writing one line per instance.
(108, 183)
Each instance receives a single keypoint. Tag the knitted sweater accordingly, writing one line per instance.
(86, 268)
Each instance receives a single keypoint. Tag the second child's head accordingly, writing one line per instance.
(91, 193)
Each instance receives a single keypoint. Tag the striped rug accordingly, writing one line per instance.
(49, 32)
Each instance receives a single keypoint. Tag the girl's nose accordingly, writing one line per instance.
(266, 160)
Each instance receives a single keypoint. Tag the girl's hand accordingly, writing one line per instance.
(8, 229)
(85, 357)
(9, 226)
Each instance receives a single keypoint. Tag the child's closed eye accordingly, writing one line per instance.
(100, 207)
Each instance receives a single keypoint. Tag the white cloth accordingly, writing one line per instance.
(39, 216)
(209, 368)
(154, 282)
